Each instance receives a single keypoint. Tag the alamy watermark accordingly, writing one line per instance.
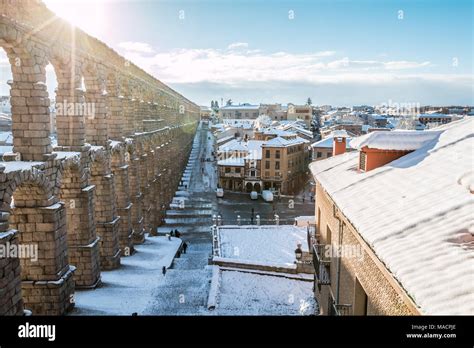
(343, 251)
(20, 251)
(66, 108)
(400, 108)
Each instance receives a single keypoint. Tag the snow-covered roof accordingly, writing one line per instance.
(233, 145)
(232, 161)
(404, 140)
(279, 132)
(262, 244)
(328, 142)
(282, 142)
(252, 147)
(416, 215)
(240, 107)
(339, 133)
(297, 129)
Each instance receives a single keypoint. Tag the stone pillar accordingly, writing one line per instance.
(145, 189)
(30, 111)
(136, 199)
(124, 205)
(128, 113)
(116, 117)
(137, 126)
(97, 124)
(11, 301)
(107, 221)
(82, 240)
(71, 111)
(47, 283)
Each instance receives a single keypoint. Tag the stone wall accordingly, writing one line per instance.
(123, 138)
(385, 296)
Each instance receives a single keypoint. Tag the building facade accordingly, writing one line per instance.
(375, 251)
(241, 111)
(302, 112)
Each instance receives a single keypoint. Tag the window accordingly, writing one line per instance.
(252, 173)
(277, 165)
(237, 170)
(328, 235)
(267, 164)
(360, 299)
(267, 153)
(227, 170)
(277, 154)
(318, 154)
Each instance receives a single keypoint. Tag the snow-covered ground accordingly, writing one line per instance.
(129, 288)
(243, 293)
(262, 244)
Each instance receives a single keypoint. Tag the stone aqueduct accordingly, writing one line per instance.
(88, 199)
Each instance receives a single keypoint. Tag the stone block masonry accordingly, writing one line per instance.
(122, 141)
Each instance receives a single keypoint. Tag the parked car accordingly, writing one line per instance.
(267, 196)
(253, 195)
(219, 192)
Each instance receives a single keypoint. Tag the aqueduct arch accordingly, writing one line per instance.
(94, 191)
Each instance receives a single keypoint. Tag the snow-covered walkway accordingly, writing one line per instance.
(129, 289)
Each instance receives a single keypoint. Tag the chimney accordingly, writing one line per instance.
(339, 142)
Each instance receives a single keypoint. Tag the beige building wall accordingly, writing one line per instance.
(291, 167)
(358, 275)
(302, 112)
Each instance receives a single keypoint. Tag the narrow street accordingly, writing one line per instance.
(186, 286)
(140, 285)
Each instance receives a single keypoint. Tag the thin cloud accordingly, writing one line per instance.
(140, 47)
(236, 66)
(238, 45)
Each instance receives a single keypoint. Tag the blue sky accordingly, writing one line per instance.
(336, 52)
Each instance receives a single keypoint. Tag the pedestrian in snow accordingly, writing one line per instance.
(163, 270)
(185, 246)
(177, 234)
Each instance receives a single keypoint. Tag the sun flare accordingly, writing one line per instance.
(85, 14)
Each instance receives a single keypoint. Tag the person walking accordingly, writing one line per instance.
(185, 246)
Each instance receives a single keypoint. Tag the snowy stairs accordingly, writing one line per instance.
(184, 292)
(196, 257)
(186, 285)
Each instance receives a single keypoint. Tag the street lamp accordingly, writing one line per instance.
(298, 252)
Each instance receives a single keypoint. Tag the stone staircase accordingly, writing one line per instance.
(186, 284)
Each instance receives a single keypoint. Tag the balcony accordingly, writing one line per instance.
(232, 175)
(335, 309)
(321, 265)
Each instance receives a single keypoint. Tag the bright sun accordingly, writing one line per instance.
(89, 15)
